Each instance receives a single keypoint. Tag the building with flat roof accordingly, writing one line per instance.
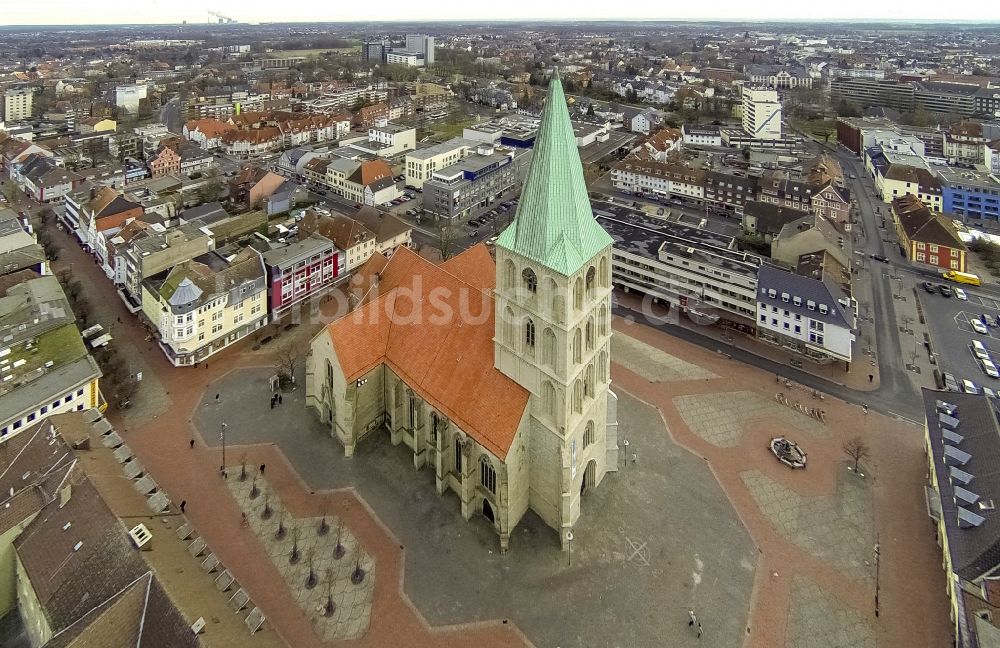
(423, 45)
(298, 270)
(45, 364)
(969, 193)
(691, 268)
(475, 181)
(420, 164)
(761, 113)
(17, 104)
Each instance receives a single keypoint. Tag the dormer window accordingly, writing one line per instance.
(772, 293)
(784, 297)
(823, 309)
(811, 305)
(797, 301)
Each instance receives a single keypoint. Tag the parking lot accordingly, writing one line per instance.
(952, 333)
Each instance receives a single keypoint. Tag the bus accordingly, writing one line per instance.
(962, 277)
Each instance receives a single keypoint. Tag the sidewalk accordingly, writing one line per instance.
(856, 378)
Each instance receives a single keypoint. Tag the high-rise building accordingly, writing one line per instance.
(421, 44)
(373, 51)
(17, 104)
(761, 114)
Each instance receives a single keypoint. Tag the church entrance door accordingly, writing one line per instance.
(589, 476)
(488, 511)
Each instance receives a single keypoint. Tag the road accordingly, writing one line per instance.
(895, 389)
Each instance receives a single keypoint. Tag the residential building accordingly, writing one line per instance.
(45, 181)
(374, 51)
(253, 185)
(368, 183)
(698, 271)
(356, 241)
(991, 157)
(19, 248)
(810, 316)
(962, 441)
(421, 44)
(207, 133)
(662, 143)
(420, 164)
(153, 251)
(45, 364)
(963, 144)
(97, 125)
(298, 271)
(865, 92)
(476, 181)
(101, 218)
(390, 232)
(17, 104)
(202, 306)
(15, 151)
(369, 116)
(808, 235)
(387, 140)
(409, 59)
(761, 114)
(898, 174)
(644, 121)
(767, 218)
(247, 144)
(511, 408)
(946, 98)
(927, 237)
(164, 161)
(730, 192)
(128, 97)
(988, 102)
(701, 135)
(664, 179)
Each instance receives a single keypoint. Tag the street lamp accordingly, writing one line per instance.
(626, 453)
(569, 543)
(877, 553)
(222, 437)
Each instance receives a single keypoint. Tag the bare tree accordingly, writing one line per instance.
(857, 450)
(284, 362)
(447, 235)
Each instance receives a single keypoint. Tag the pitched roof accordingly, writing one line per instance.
(554, 224)
(965, 460)
(923, 178)
(921, 224)
(448, 360)
(370, 172)
(384, 225)
(771, 217)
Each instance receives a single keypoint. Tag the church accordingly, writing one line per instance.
(496, 375)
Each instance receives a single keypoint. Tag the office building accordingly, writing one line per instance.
(421, 164)
(17, 105)
(476, 181)
(421, 44)
(374, 52)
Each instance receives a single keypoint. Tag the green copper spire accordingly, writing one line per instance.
(554, 225)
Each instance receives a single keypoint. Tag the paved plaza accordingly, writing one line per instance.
(721, 418)
(656, 539)
(818, 620)
(652, 363)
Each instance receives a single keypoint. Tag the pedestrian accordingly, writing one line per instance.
(244, 522)
(183, 504)
(262, 469)
(272, 402)
(217, 398)
(692, 618)
(279, 399)
(635, 458)
(864, 407)
(119, 320)
(699, 630)
(192, 444)
(871, 378)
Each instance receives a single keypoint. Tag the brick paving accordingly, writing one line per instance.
(814, 527)
(653, 364)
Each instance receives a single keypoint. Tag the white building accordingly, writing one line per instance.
(812, 316)
(701, 135)
(393, 138)
(409, 59)
(128, 96)
(17, 103)
(421, 164)
(421, 44)
(761, 114)
(659, 178)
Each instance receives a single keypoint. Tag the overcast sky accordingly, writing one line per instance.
(35, 12)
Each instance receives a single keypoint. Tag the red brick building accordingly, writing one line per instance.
(927, 237)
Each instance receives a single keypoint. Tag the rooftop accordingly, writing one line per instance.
(439, 149)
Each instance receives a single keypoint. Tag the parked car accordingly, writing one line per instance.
(989, 368)
(969, 387)
(950, 383)
(928, 286)
(979, 327)
(357, 205)
(979, 350)
(944, 290)
(989, 392)
(880, 257)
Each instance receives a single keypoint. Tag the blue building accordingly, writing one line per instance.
(970, 194)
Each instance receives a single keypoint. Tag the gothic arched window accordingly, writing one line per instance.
(529, 280)
(509, 271)
(578, 396)
(577, 346)
(605, 279)
(548, 347)
(548, 398)
(578, 294)
(588, 435)
(487, 474)
(591, 281)
(529, 334)
(508, 327)
(590, 334)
